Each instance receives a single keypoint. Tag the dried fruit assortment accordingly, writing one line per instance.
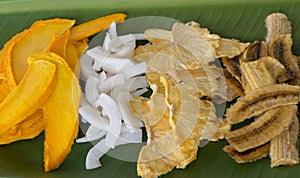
(39, 91)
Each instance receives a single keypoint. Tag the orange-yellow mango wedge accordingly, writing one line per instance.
(31, 93)
(74, 50)
(59, 44)
(34, 41)
(95, 26)
(29, 128)
(60, 112)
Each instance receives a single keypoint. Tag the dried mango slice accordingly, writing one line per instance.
(261, 100)
(35, 40)
(61, 123)
(95, 26)
(29, 95)
(74, 50)
(29, 128)
(59, 44)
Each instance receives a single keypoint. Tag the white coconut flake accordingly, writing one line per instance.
(110, 83)
(95, 153)
(129, 119)
(114, 115)
(134, 70)
(91, 92)
(93, 133)
(92, 116)
(86, 68)
(138, 92)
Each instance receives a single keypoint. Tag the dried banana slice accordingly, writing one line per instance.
(249, 155)
(255, 50)
(265, 127)
(284, 147)
(277, 24)
(261, 100)
(234, 88)
(280, 49)
(233, 66)
(255, 75)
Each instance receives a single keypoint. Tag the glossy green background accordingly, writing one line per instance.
(232, 19)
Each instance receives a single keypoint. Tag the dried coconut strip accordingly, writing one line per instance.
(92, 116)
(139, 92)
(109, 64)
(110, 83)
(93, 133)
(86, 67)
(91, 92)
(114, 115)
(127, 116)
(95, 153)
(134, 70)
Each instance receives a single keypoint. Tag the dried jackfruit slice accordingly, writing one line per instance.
(265, 127)
(230, 48)
(249, 155)
(261, 100)
(174, 132)
(32, 92)
(284, 147)
(189, 39)
(61, 126)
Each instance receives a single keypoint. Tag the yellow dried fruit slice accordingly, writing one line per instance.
(95, 26)
(31, 127)
(29, 95)
(35, 40)
(60, 112)
(74, 50)
(59, 45)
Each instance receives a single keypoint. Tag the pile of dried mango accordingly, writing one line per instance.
(39, 87)
(40, 92)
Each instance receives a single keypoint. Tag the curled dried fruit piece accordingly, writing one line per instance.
(263, 129)
(280, 49)
(95, 26)
(28, 44)
(61, 125)
(29, 128)
(249, 155)
(284, 147)
(32, 92)
(277, 24)
(254, 51)
(261, 100)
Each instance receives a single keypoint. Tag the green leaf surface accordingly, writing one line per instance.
(231, 18)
